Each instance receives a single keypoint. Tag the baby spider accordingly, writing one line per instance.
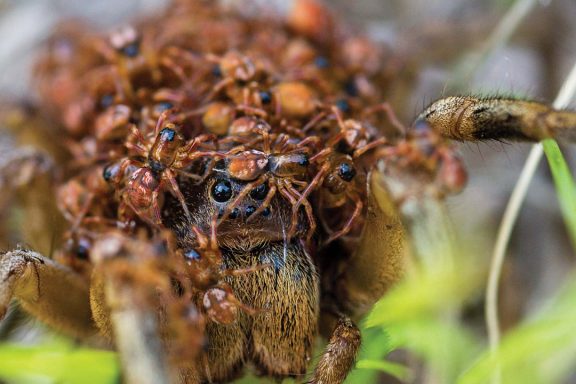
(158, 160)
(425, 149)
(278, 166)
(337, 174)
(205, 272)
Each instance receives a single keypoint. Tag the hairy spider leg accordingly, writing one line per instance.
(358, 205)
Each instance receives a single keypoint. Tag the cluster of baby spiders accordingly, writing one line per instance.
(151, 109)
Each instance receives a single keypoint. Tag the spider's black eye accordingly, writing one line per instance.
(260, 192)
(106, 101)
(107, 173)
(234, 214)
(192, 255)
(346, 171)
(303, 161)
(250, 210)
(131, 50)
(167, 134)
(266, 212)
(265, 97)
(217, 71)
(343, 105)
(321, 62)
(222, 191)
(164, 106)
(110, 172)
(350, 88)
(82, 250)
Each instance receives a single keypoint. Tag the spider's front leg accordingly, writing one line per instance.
(468, 118)
(340, 354)
(378, 260)
(47, 290)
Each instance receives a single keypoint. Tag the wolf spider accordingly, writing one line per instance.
(308, 290)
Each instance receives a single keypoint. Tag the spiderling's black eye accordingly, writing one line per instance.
(107, 173)
(110, 171)
(82, 250)
(167, 134)
(192, 255)
(106, 101)
(222, 191)
(265, 97)
(350, 88)
(131, 50)
(322, 62)
(260, 192)
(343, 105)
(217, 71)
(164, 106)
(346, 171)
(304, 162)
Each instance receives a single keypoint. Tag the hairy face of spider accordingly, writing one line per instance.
(210, 198)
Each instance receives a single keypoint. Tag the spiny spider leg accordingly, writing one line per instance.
(307, 208)
(267, 199)
(390, 114)
(171, 178)
(358, 205)
(373, 144)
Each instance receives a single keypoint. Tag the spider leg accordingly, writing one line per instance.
(307, 208)
(196, 178)
(467, 118)
(218, 87)
(161, 120)
(83, 212)
(244, 271)
(170, 63)
(340, 353)
(171, 178)
(252, 110)
(358, 205)
(308, 140)
(266, 201)
(376, 143)
(140, 145)
(303, 199)
(293, 201)
(316, 181)
(49, 291)
(322, 153)
(312, 123)
(390, 114)
(288, 193)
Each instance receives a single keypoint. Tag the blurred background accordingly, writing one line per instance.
(437, 39)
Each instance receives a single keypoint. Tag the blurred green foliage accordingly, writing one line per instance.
(57, 362)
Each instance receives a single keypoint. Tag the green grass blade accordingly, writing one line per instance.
(60, 364)
(396, 370)
(542, 350)
(565, 186)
